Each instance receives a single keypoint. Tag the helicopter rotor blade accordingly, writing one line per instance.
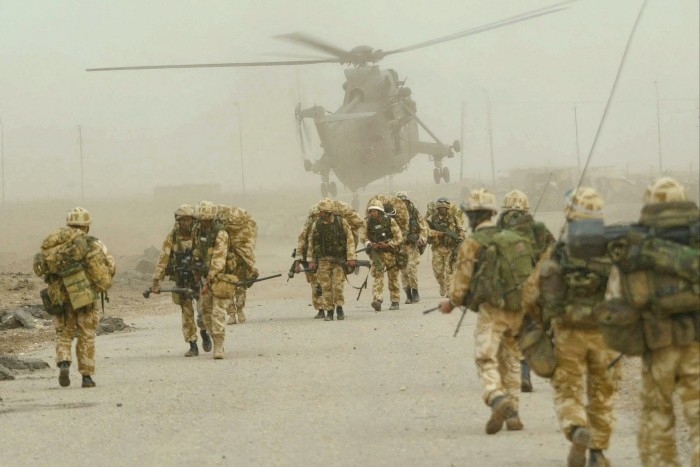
(487, 27)
(218, 65)
(318, 44)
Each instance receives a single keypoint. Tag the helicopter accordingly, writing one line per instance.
(374, 133)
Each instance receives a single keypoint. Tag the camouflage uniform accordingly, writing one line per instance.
(331, 243)
(388, 231)
(416, 236)
(443, 247)
(671, 363)
(302, 257)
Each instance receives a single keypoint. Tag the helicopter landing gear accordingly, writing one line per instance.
(324, 190)
(333, 189)
(437, 175)
(446, 174)
(355, 202)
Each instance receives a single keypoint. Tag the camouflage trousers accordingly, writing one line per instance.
(442, 268)
(237, 302)
(409, 274)
(316, 299)
(85, 320)
(381, 263)
(582, 371)
(673, 369)
(189, 328)
(214, 314)
(331, 277)
(497, 354)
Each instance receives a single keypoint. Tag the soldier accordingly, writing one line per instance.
(210, 250)
(668, 305)
(560, 295)
(499, 312)
(413, 246)
(382, 238)
(300, 259)
(176, 260)
(73, 287)
(445, 235)
(515, 216)
(332, 246)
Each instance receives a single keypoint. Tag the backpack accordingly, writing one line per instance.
(504, 263)
(242, 234)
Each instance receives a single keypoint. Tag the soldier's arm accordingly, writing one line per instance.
(459, 225)
(531, 289)
(614, 287)
(111, 264)
(423, 227)
(310, 242)
(463, 271)
(217, 263)
(162, 264)
(349, 241)
(397, 236)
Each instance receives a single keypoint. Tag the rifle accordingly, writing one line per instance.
(249, 282)
(430, 310)
(149, 291)
(358, 264)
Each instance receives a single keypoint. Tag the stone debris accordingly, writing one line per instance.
(111, 324)
(11, 362)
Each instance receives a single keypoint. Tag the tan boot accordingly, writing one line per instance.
(241, 317)
(218, 347)
(232, 319)
(580, 439)
(502, 407)
(513, 423)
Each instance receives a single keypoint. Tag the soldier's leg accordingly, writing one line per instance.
(439, 270)
(217, 319)
(64, 324)
(323, 277)
(377, 287)
(239, 303)
(488, 334)
(656, 437)
(207, 308)
(601, 385)
(688, 390)
(338, 280)
(206, 339)
(509, 357)
(189, 329)
(86, 323)
(394, 285)
(316, 300)
(231, 312)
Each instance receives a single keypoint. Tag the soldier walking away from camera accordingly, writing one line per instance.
(413, 246)
(332, 246)
(77, 268)
(301, 256)
(445, 235)
(515, 216)
(490, 257)
(382, 238)
(210, 249)
(176, 261)
(663, 291)
(560, 296)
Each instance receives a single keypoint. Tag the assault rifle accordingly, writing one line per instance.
(359, 263)
(293, 267)
(181, 290)
(249, 282)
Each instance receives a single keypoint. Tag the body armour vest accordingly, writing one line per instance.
(413, 224)
(330, 239)
(448, 224)
(571, 288)
(523, 223)
(379, 230)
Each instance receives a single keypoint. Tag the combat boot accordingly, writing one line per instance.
(218, 347)
(241, 317)
(501, 409)
(231, 319)
(64, 374)
(329, 316)
(597, 459)
(409, 295)
(206, 340)
(88, 382)
(194, 351)
(340, 313)
(525, 383)
(321, 314)
(377, 305)
(513, 423)
(394, 306)
(414, 294)
(580, 439)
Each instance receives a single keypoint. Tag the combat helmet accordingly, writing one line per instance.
(665, 190)
(516, 200)
(584, 203)
(402, 195)
(480, 200)
(377, 205)
(185, 210)
(78, 217)
(206, 211)
(326, 205)
(442, 203)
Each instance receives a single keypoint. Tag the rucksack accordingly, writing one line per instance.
(242, 235)
(504, 263)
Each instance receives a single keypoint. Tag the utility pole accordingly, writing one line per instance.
(2, 159)
(240, 143)
(578, 156)
(658, 127)
(461, 144)
(80, 146)
(493, 165)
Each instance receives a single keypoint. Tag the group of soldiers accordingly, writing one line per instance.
(637, 295)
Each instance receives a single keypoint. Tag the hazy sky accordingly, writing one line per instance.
(142, 129)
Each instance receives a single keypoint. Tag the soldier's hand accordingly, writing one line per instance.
(205, 289)
(255, 274)
(352, 263)
(440, 234)
(382, 245)
(155, 288)
(297, 267)
(312, 266)
(446, 306)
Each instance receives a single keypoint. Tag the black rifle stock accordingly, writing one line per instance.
(149, 291)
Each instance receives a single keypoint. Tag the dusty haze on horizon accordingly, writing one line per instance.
(144, 129)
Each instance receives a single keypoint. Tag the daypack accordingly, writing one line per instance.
(242, 234)
(504, 263)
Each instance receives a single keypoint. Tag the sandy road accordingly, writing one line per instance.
(389, 388)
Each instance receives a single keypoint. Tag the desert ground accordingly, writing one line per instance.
(388, 388)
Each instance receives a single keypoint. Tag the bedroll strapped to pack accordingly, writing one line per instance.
(505, 262)
(242, 232)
